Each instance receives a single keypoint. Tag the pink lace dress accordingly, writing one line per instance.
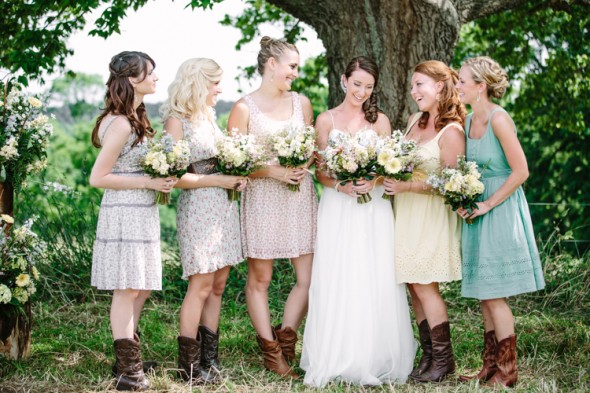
(277, 222)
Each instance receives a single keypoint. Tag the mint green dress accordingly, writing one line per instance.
(500, 256)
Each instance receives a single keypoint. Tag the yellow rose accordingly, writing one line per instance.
(35, 103)
(22, 280)
(7, 218)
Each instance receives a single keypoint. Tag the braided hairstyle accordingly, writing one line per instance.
(270, 47)
(120, 94)
(486, 70)
(450, 108)
(368, 65)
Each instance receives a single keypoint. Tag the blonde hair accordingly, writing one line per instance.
(270, 47)
(187, 94)
(486, 70)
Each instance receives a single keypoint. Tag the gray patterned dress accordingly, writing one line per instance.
(127, 246)
(208, 222)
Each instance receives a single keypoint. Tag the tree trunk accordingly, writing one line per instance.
(15, 324)
(397, 34)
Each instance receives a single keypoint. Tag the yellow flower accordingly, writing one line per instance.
(22, 280)
(35, 273)
(7, 218)
(35, 103)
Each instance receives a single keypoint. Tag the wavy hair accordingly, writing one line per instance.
(486, 70)
(120, 94)
(187, 94)
(270, 47)
(450, 108)
(364, 63)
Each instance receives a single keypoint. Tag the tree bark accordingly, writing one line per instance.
(397, 34)
(15, 324)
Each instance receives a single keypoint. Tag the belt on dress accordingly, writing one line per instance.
(204, 167)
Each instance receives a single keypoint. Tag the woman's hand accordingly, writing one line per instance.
(394, 187)
(237, 183)
(161, 184)
(363, 186)
(288, 175)
(482, 208)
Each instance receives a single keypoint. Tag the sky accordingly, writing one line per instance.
(170, 34)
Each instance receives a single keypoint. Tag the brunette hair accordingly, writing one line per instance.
(486, 70)
(187, 94)
(364, 63)
(450, 108)
(120, 94)
(270, 47)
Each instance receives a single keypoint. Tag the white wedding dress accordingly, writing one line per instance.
(358, 327)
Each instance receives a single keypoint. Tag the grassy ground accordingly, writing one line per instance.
(72, 346)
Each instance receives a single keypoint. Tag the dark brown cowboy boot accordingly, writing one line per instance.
(426, 345)
(129, 373)
(443, 360)
(287, 340)
(489, 359)
(507, 373)
(209, 350)
(189, 362)
(147, 365)
(273, 357)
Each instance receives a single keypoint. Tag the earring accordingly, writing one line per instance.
(437, 97)
(342, 86)
(272, 77)
(478, 96)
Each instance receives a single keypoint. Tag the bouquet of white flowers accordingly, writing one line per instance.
(24, 134)
(238, 155)
(20, 251)
(294, 146)
(460, 186)
(166, 158)
(352, 157)
(397, 158)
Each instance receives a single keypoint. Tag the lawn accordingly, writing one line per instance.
(72, 347)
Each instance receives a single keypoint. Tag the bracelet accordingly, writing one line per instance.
(336, 185)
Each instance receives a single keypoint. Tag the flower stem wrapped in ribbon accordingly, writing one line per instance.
(460, 186)
(352, 157)
(166, 158)
(294, 146)
(397, 158)
(238, 155)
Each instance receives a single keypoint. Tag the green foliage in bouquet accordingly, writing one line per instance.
(24, 135)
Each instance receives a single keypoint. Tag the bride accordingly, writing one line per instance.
(358, 326)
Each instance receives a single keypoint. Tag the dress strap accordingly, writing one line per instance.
(442, 131)
(332, 117)
(104, 131)
(414, 120)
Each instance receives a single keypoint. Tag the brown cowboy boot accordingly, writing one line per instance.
(129, 373)
(443, 360)
(507, 373)
(189, 362)
(209, 350)
(273, 357)
(489, 359)
(147, 365)
(287, 340)
(426, 345)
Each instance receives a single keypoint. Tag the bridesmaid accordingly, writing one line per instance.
(126, 257)
(276, 222)
(208, 223)
(427, 232)
(500, 256)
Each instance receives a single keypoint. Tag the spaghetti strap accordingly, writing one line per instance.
(414, 120)
(332, 117)
(107, 126)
